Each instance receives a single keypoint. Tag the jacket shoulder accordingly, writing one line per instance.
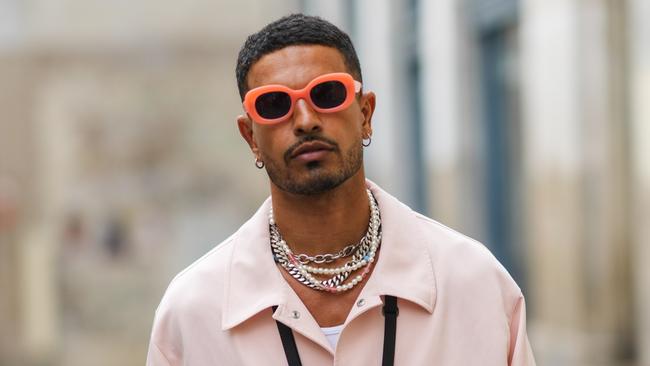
(203, 276)
(463, 263)
(192, 304)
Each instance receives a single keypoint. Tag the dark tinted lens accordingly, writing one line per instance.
(329, 94)
(273, 105)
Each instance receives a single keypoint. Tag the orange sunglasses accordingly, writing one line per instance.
(329, 93)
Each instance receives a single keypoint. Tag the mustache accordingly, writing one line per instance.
(308, 138)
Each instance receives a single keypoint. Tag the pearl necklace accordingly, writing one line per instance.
(363, 257)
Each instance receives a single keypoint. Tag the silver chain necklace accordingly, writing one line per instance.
(328, 257)
(363, 255)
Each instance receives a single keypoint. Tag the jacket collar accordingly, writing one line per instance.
(403, 269)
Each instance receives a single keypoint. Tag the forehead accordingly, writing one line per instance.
(295, 66)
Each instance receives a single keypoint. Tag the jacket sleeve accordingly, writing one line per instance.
(520, 352)
(155, 357)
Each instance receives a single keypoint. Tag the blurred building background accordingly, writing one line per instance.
(522, 123)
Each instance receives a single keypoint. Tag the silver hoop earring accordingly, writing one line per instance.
(366, 144)
(259, 163)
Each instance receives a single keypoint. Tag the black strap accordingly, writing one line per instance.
(288, 343)
(390, 312)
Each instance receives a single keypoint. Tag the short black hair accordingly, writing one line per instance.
(291, 30)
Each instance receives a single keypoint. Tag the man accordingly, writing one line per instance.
(332, 269)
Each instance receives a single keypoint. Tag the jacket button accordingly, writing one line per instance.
(361, 302)
(295, 314)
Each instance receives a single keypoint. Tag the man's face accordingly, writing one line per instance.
(310, 152)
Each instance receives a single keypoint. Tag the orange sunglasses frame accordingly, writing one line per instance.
(352, 87)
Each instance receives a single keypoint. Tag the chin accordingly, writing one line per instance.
(313, 165)
(314, 177)
(315, 182)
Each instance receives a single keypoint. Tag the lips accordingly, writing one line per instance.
(312, 150)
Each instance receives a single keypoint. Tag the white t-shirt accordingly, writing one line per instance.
(332, 334)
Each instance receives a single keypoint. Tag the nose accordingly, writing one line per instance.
(305, 119)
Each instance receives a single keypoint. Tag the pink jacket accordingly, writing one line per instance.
(458, 306)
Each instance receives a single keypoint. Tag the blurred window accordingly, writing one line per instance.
(496, 24)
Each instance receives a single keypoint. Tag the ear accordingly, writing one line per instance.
(367, 104)
(245, 126)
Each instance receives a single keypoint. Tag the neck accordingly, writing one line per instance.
(325, 222)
